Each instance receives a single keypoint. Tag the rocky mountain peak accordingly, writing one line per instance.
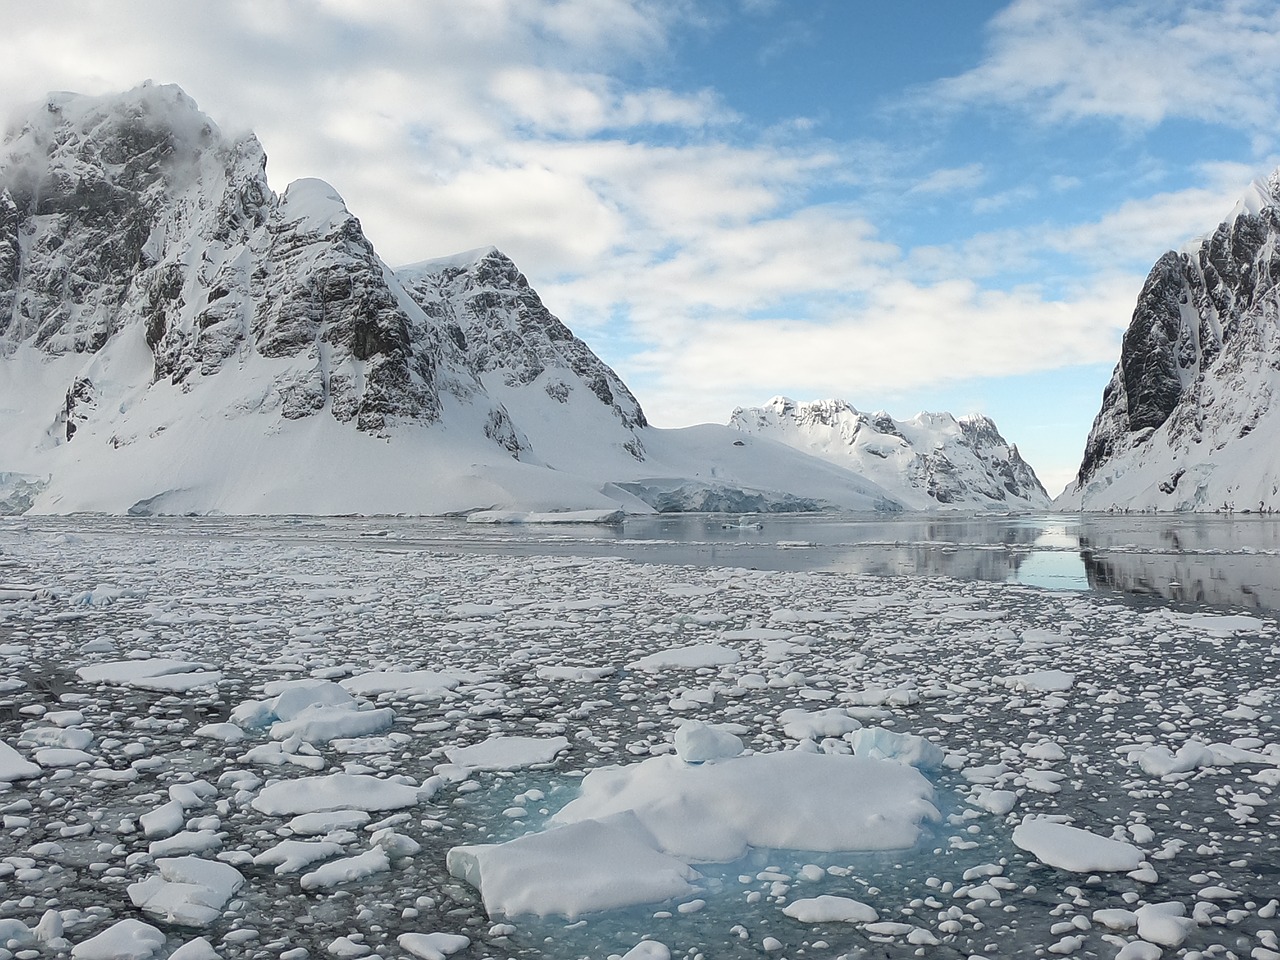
(935, 458)
(1196, 370)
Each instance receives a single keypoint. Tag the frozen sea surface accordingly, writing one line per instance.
(257, 738)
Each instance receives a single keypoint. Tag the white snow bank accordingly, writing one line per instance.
(789, 800)
(1070, 848)
(507, 753)
(583, 867)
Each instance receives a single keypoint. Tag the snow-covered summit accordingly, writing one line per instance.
(1188, 420)
(931, 461)
(176, 337)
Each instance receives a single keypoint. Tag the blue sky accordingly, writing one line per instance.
(937, 205)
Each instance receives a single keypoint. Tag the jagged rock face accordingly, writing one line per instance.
(136, 211)
(931, 460)
(513, 341)
(1197, 374)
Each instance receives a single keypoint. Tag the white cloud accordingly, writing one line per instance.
(904, 335)
(951, 180)
(1142, 62)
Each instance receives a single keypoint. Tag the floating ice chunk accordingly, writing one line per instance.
(881, 744)
(291, 856)
(648, 950)
(347, 869)
(1071, 848)
(1222, 625)
(1160, 761)
(320, 724)
(70, 739)
(1166, 924)
(61, 757)
(337, 791)
(507, 753)
(189, 890)
(698, 742)
(687, 658)
(226, 732)
(576, 674)
(197, 949)
(326, 821)
(1041, 681)
(831, 909)
(124, 940)
(395, 844)
(418, 683)
(187, 841)
(432, 946)
(790, 800)
(584, 867)
(1116, 919)
(155, 673)
(1140, 950)
(998, 802)
(807, 725)
(164, 820)
(13, 766)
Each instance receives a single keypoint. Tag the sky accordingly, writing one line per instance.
(933, 206)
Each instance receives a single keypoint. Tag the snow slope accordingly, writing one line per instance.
(931, 461)
(1188, 420)
(176, 337)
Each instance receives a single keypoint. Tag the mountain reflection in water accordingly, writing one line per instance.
(1225, 560)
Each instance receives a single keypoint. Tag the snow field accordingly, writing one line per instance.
(374, 730)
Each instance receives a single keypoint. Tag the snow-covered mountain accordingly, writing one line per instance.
(176, 337)
(1188, 421)
(932, 461)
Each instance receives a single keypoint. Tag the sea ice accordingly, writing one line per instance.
(788, 799)
(337, 791)
(582, 867)
(189, 890)
(1071, 848)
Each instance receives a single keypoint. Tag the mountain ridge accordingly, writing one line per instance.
(1187, 421)
(177, 337)
(933, 460)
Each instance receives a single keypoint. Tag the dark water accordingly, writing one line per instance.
(1230, 561)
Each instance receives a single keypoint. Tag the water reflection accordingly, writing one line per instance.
(1222, 560)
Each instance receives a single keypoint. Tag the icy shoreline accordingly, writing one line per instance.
(179, 703)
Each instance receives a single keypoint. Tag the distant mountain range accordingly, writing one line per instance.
(932, 460)
(175, 337)
(1189, 420)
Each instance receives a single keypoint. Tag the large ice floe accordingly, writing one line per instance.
(286, 739)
